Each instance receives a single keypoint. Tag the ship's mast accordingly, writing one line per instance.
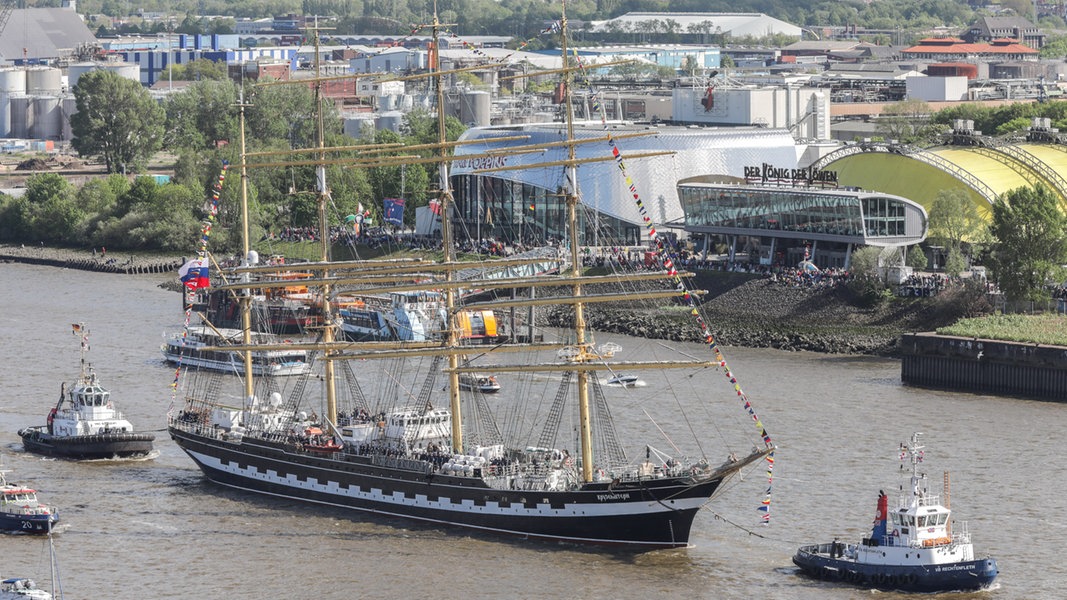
(572, 200)
(324, 238)
(246, 294)
(446, 237)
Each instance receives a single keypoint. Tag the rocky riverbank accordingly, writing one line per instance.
(760, 313)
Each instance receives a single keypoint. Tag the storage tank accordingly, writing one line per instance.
(386, 102)
(68, 107)
(391, 120)
(21, 116)
(44, 81)
(354, 125)
(123, 69)
(12, 81)
(474, 109)
(46, 118)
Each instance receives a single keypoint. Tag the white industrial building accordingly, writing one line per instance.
(730, 25)
(499, 203)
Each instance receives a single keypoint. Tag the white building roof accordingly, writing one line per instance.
(735, 25)
(697, 151)
(43, 33)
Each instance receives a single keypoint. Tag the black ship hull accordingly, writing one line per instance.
(645, 514)
(103, 445)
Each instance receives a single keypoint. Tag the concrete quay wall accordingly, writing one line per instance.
(984, 366)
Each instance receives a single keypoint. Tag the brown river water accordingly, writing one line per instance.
(156, 529)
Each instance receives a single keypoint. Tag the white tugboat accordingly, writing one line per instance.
(915, 548)
(85, 424)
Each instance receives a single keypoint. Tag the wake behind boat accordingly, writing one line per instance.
(191, 349)
(915, 548)
(85, 424)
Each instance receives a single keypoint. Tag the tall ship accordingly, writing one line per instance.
(388, 438)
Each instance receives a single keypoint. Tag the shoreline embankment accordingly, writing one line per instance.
(90, 260)
(740, 309)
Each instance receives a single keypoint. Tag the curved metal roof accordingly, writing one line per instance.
(984, 173)
(696, 151)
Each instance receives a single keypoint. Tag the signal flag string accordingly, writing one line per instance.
(205, 235)
(664, 253)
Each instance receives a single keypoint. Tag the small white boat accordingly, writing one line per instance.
(189, 350)
(478, 382)
(624, 380)
(20, 588)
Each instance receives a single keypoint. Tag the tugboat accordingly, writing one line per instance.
(915, 548)
(21, 511)
(84, 423)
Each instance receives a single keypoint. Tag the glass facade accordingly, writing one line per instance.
(883, 217)
(516, 211)
(784, 209)
(860, 215)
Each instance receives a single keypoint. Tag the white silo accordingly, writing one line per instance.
(46, 118)
(68, 107)
(386, 102)
(21, 116)
(356, 124)
(391, 120)
(12, 83)
(126, 70)
(44, 81)
(474, 109)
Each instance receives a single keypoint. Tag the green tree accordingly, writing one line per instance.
(1031, 242)
(202, 115)
(54, 214)
(199, 69)
(866, 281)
(116, 120)
(955, 263)
(917, 258)
(954, 218)
(906, 121)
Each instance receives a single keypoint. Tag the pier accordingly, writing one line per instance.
(984, 366)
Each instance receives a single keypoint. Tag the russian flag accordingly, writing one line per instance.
(194, 274)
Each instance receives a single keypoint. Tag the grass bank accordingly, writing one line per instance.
(1050, 329)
